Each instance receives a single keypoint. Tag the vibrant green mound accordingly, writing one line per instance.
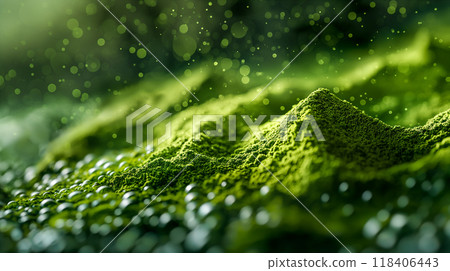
(377, 187)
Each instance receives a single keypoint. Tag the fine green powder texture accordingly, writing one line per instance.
(368, 182)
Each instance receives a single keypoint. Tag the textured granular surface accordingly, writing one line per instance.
(368, 182)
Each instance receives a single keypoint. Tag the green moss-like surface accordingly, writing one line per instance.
(365, 182)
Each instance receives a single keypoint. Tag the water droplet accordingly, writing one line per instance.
(125, 203)
(205, 209)
(164, 219)
(371, 228)
(104, 230)
(229, 200)
(410, 182)
(438, 187)
(211, 195)
(262, 217)
(64, 206)
(54, 182)
(42, 218)
(190, 197)
(100, 162)
(348, 210)
(118, 222)
(75, 196)
(383, 215)
(343, 187)
(153, 221)
(366, 195)
(177, 235)
(103, 189)
(386, 239)
(245, 212)
(47, 202)
(82, 207)
(189, 187)
(398, 221)
(197, 238)
(129, 195)
(264, 190)
(426, 186)
(183, 28)
(239, 30)
(428, 243)
(402, 201)
(325, 197)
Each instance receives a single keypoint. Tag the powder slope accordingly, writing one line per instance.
(354, 142)
(364, 167)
